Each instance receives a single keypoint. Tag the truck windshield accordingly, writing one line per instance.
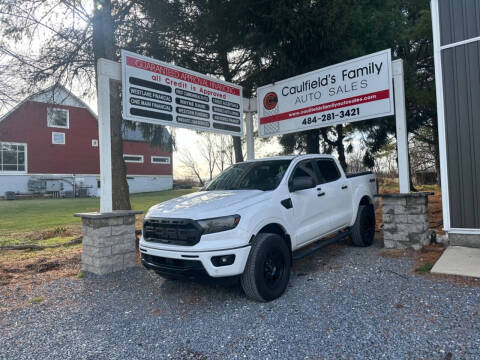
(257, 175)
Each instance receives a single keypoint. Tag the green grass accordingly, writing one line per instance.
(37, 299)
(21, 216)
(10, 240)
(425, 268)
(393, 187)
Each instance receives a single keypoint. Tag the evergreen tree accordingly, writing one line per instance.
(205, 36)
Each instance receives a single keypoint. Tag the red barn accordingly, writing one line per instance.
(49, 143)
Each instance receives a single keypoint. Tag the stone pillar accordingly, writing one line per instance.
(405, 220)
(108, 241)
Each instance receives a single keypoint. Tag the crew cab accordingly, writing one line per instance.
(256, 217)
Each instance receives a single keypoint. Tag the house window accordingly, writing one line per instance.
(58, 118)
(133, 158)
(94, 142)
(160, 160)
(13, 157)
(58, 138)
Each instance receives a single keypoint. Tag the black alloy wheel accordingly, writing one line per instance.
(267, 271)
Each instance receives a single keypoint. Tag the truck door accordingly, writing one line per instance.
(310, 211)
(336, 193)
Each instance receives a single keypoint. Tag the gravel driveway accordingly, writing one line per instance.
(342, 303)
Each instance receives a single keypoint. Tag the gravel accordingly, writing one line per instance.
(342, 303)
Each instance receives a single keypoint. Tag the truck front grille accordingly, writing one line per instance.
(172, 231)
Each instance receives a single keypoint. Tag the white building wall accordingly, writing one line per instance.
(147, 183)
(137, 184)
(16, 183)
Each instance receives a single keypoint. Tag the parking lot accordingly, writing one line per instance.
(342, 303)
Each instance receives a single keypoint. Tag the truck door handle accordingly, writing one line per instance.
(321, 194)
(344, 187)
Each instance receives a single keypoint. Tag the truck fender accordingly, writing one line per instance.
(271, 220)
(361, 195)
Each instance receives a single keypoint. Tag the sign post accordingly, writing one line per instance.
(106, 70)
(250, 108)
(401, 126)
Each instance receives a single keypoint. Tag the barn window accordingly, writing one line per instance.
(160, 160)
(58, 138)
(133, 158)
(13, 157)
(58, 118)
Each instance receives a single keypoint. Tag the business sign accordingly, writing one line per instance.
(165, 94)
(351, 91)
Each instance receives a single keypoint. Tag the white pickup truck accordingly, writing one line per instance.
(256, 217)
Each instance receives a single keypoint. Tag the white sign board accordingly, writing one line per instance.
(354, 90)
(165, 94)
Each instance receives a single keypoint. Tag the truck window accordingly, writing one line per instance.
(257, 175)
(303, 169)
(328, 170)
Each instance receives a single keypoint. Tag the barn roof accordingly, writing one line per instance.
(55, 95)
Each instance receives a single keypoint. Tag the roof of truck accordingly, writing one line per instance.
(288, 157)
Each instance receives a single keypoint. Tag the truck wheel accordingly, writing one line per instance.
(363, 231)
(267, 271)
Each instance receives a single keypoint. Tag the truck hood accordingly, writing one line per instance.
(207, 204)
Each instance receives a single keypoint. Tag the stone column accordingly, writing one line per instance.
(108, 241)
(405, 220)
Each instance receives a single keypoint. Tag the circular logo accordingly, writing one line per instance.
(270, 100)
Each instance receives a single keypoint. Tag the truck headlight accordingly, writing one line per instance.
(219, 224)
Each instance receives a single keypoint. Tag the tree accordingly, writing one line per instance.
(415, 46)
(8, 95)
(187, 159)
(75, 35)
(208, 151)
(294, 37)
(224, 152)
(412, 42)
(206, 36)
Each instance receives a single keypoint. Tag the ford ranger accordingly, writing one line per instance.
(256, 217)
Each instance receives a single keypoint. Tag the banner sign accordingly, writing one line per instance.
(354, 90)
(165, 94)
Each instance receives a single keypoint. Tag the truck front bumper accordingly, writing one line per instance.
(191, 264)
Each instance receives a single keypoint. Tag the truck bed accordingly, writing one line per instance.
(352, 175)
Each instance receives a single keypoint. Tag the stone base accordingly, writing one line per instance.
(405, 220)
(108, 241)
(468, 240)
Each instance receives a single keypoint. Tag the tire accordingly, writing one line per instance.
(267, 271)
(363, 231)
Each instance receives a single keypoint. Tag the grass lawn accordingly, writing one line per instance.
(392, 186)
(21, 218)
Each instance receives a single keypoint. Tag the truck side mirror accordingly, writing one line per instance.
(301, 183)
